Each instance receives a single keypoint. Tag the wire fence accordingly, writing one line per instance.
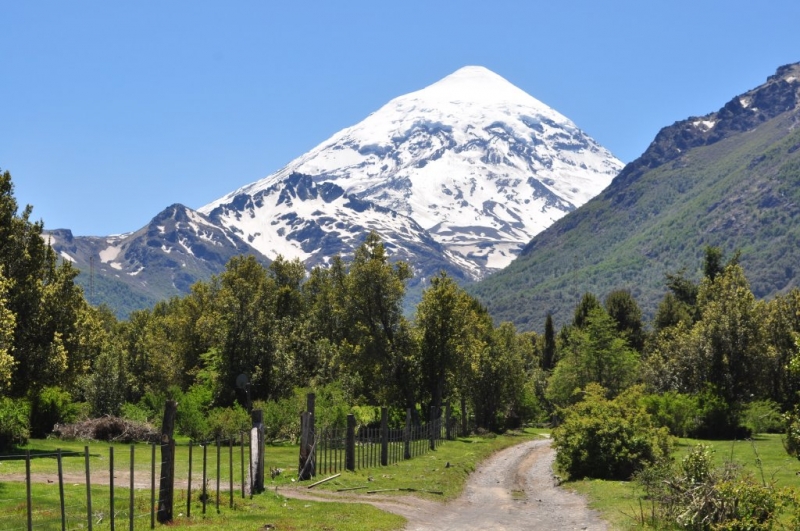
(124, 493)
(122, 487)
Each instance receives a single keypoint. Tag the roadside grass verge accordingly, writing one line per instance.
(621, 503)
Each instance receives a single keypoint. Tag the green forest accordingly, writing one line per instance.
(715, 362)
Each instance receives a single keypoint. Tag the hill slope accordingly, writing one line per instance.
(727, 179)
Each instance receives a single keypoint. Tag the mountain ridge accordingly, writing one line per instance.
(473, 160)
(735, 188)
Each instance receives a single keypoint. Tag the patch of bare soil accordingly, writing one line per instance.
(513, 490)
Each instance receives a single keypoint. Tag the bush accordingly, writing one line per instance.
(282, 417)
(762, 416)
(675, 411)
(696, 496)
(226, 423)
(792, 431)
(716, 419)
(136, 412)
(52, 406)
(14, 423)
(608, 439)
(193, 408)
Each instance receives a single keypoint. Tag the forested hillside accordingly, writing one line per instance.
(729, 180)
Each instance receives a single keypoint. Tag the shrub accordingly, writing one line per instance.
(136, 412)
(14, 423)
(675, 411)
(332, 405)
(52, 406)
(608, 439)
(281, 418)
(193, 407)
(762, 416)
(717, 419)
(226, 423)
(792, 431)
(698, 497)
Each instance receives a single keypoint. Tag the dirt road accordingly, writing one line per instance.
(513, 490)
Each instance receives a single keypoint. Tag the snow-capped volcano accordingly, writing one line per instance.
(471, 165)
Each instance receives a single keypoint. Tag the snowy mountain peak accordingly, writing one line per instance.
(471, 162)
(475, 85)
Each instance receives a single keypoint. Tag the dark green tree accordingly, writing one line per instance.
(622, 307)
(588, 303)
(595, 353)
(247, 318)
(444, 322)
(383, 357)
(549, 350)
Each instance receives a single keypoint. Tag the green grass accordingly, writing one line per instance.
(620, 502)
(428, 472)
(265, 509)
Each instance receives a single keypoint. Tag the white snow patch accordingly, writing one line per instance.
(67, 257)
(116, 265)
(139, 270)
(704, 124)
(109, 253)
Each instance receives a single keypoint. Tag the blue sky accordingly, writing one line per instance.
(111, 111)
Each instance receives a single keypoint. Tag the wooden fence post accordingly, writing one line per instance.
(350, 443)
(189, 484)
(111, 486)
(307, 465)
(311, 400)
(230, 467)
(152, 487)
(304, 464)
(448, 425)
(407, 436)
(384, 436)
(132, 490)
(28, 488)
(218, 472)
(257, 452)
(241, 453)
(463, 416)
(432, 428)
(88, 489)
(167, 485)
(61, 490)
(204, 495)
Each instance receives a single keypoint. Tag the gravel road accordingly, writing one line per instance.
(513, 490)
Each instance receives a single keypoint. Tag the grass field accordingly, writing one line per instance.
(621, 503)
(428, 475)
